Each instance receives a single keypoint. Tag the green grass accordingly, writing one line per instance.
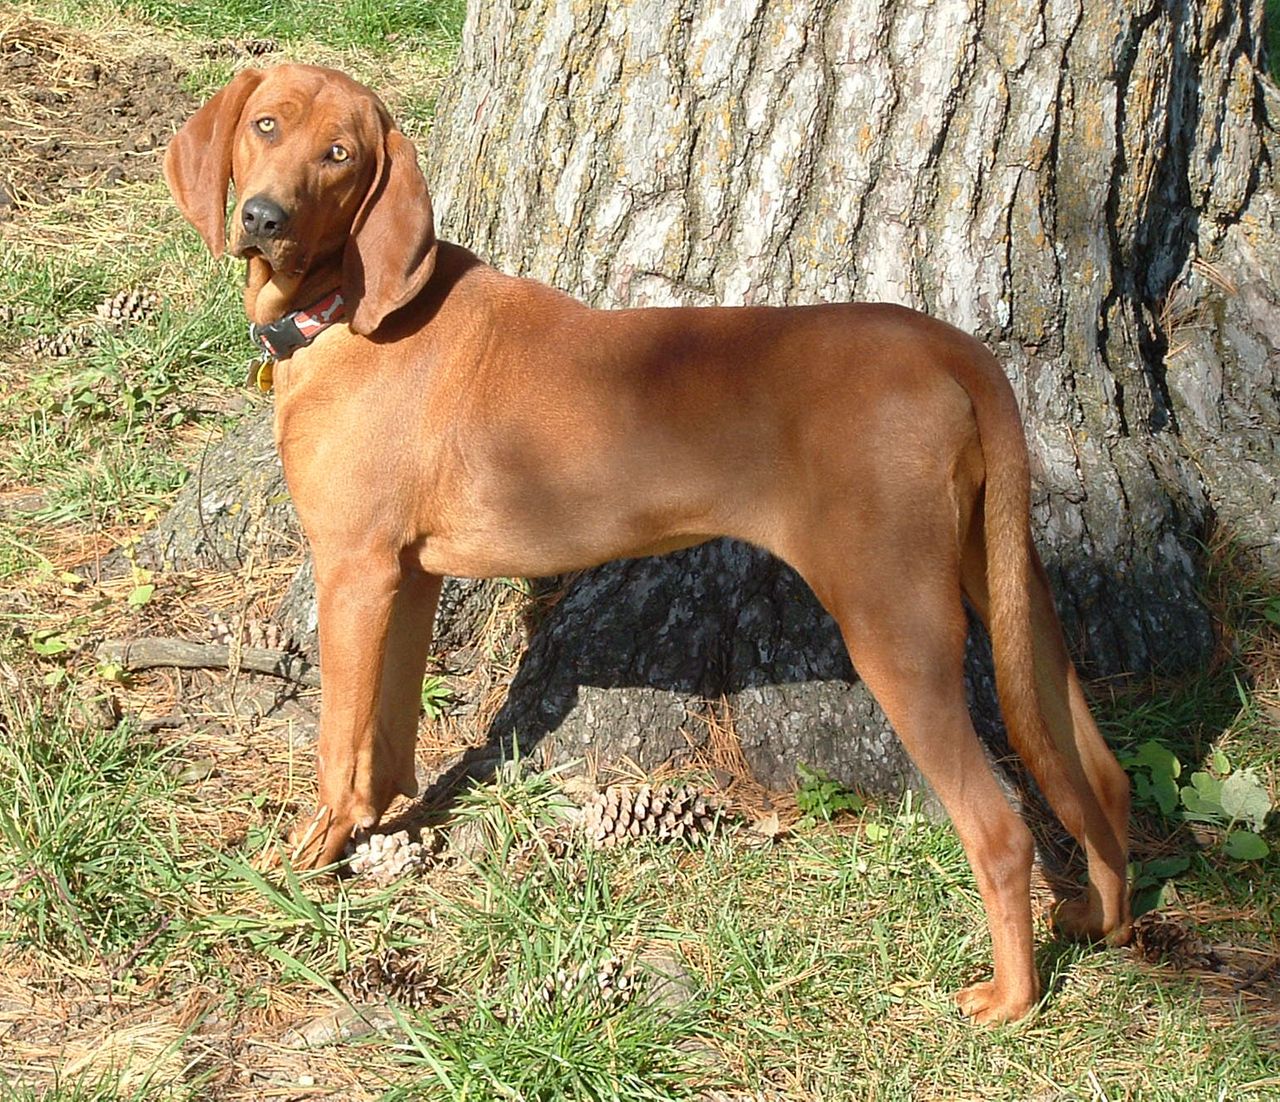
(94, 433)
(414, 23)
(88, 864)
(823, 966)
(94, 1088)
(117, 891)
(1271, 36)
(514, 936)
(432, 26)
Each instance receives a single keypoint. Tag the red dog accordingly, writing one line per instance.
(459, 421)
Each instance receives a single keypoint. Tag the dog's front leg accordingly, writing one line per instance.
(375, 629)
(408, 642)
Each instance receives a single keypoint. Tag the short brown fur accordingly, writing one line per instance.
(465, 422)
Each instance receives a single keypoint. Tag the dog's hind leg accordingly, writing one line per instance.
(896, 597)
(1096, 808)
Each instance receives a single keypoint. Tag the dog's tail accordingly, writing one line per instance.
(1013, 571)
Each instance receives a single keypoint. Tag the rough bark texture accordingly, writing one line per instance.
(235, 503)
(1086, 185)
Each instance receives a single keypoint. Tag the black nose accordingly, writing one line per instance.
(263, 218)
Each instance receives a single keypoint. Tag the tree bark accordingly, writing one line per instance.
(1085, 185)
(234, 504)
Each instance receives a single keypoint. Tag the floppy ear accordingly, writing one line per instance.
(197, 164)
(392, 249)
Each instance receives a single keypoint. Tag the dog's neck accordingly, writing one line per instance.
(269, 295)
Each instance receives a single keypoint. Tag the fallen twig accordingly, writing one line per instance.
(123, 967)
(143, 654)
(162, 723)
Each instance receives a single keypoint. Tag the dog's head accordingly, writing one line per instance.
(321, 177)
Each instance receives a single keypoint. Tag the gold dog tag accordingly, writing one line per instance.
(265, 375)
(260, 374)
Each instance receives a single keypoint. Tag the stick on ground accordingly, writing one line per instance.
(143, 654)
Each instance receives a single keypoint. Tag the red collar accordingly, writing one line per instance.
(300, 327)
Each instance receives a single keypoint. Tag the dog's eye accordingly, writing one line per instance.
(338, 153)
(266, 125)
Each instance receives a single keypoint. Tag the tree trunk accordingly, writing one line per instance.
(1084, 185)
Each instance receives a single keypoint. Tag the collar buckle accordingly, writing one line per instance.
(298, 328)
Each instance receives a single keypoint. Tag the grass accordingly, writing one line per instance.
(80, 819)
(375, 25)
(144, 955)
(98, 436)
(1271, 36)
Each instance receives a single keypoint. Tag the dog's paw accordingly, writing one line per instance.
(1080, 919)
(318, 839)
(988, 1004)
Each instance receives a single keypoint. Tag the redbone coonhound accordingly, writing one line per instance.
(456, 420)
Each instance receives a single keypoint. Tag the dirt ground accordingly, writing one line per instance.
(70, 120)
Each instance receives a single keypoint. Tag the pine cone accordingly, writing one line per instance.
(267, 634)
(59, 345)
(615, 983)
(263, 634)
(1165, 938)
(667, 812)
(219, 630)
(564, 985)
(133, 305)
(387, 856)
(527, 857)
(391, 975)
(607, 987)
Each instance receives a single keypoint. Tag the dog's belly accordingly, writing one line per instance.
(461, 559)
(536, 527)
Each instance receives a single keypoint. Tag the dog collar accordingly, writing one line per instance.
(282, 338)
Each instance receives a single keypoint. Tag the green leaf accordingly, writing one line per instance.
(851, 801)
(141, 595)
(1165, 791)
(875, 832)
(1245, 798)
(111, 671)
(1244, 845)
(1218, 762)
(1159, 759)
(436, 697)
(1148, 899)
(1162, 868)
(1202, 799)
(1197, 809)
(1153, 897)
(1207, 786)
